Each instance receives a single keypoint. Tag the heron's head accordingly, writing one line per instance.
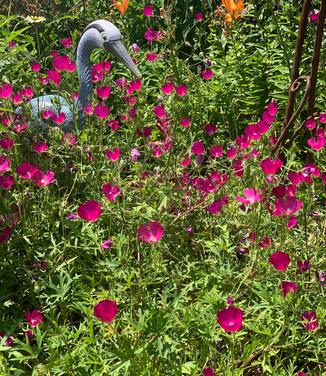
(110, 39)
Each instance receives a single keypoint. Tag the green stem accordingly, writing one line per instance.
(233, 348)
(38, 46)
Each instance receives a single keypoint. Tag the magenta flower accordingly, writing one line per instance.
(251, 196)
(61, 62)
(6, 143)
(231, 152)
(310, 170)
(151, 56)
(103, 91)
(101, 111)
(314, 16)
(69, 138)
(48, 114)
(167, 88)
(287, 205)
(238, 168)
(242, 141)
(210, 129)
(322, 117)
(185, 122)
(107, 244)
(296, 177)
(207, 74)
(301, 373)
(54, 76)
(280, 260)
(71, 67)
(134, 155)
(135, 85)
(113, 155)
(160, 112)
(150, 233)
(59, 118)
(292, 222)
(90, 211)
(310, 321)
(40, 147)
(230, 319)
(217, 205)
(4, 164)
(208, 372)
(150, 35)
(106, 310)
(148, 10)
(111, 191)
(185, 161)
(230, 301)
(6, 181)
(303, 265)
(72, 216)
(34, 318)
(316, 143)
(26, 170)
(36, 67)
(271, 167)
(42, 179)
(113, 124)
(135, 47)
(199, 16)
(9, 341)
(310, 123)
(266, 242)
(197, 148)
(216, 151)
(288, 286)
(254, 131)
(322, 278)
(272, 108)
(5, 234)
(5, 91)
(66, 42)
(181, 90)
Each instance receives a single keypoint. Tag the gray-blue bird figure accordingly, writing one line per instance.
(98, 34)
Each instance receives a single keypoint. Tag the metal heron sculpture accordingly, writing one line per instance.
(98, 34)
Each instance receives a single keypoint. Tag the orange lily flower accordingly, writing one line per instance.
(122, 6)
(234, 7)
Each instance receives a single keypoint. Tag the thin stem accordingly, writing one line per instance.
(9, 8)
(37, 42)
(233, 352)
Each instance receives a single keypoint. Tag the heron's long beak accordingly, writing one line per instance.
(117, 49)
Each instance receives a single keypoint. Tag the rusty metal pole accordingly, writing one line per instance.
(311, 81)
(297, 57)
(316, 58)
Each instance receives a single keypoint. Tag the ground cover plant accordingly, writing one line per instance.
(165, 237)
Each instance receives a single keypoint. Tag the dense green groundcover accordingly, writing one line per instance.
(188, 162)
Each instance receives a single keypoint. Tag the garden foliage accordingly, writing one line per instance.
(164, 238)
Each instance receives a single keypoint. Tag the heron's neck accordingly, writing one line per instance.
(88, 42)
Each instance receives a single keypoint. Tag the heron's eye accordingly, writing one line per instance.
(104, 36)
